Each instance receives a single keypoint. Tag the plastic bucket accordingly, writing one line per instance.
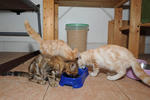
(77, 36)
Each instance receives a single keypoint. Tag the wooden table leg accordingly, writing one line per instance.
(134, 34)
(48, 19)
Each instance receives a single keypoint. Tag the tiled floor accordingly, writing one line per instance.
(95, 88)
(7, 56)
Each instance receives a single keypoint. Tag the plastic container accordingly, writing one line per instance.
(75, 82)
(77, 36)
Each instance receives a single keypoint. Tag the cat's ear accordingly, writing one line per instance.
(79, 56)
(75, 52)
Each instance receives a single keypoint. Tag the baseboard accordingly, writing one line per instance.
(17, 44)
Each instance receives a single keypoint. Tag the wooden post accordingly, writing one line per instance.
(134, 34)
(124, 37)
(110, 32)
(48, 19)
(56, 22)
(117, 24)
(142, 45)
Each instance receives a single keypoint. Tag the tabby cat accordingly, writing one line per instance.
(61, 65)
(52, 47)
(113, 58)
(47, 69)
(39, 72)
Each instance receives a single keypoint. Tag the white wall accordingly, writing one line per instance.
(97, 18)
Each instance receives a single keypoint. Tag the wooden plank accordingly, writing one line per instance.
(110, 32)
(134, 34)
(78, 3)
(91, 0)
(48, 19)
(117, 24)
(145, 25)
(17, 61)
(124, 37)
(120, 3)
(56, 22)
(142, 45)
(123, 28)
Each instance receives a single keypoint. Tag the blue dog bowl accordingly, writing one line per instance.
(74, 82)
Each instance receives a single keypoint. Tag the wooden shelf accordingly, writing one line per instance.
(145, 25)
(125, 28)
(91, 3)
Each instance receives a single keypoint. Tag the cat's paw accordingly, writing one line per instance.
(110, 78)
(57, 79)
(41, 82)
(54, 84)
(93, 74)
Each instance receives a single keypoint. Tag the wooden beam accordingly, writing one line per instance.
(117, 23)
(134, 34)
(145, 25)
(48, 19)
(123, 28)
(91, 0)
(120, 3)
(56, 22)
(83, 3)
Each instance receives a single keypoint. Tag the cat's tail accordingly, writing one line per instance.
(32, 32)
(17, 73)
(139, 72)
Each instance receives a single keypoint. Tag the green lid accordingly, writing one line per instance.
(77, 26)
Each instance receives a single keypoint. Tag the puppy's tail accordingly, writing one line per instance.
(32, 32)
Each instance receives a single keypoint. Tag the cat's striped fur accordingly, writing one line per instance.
(114, 58)
(43, 69)
(39, 71)
(52, 47)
